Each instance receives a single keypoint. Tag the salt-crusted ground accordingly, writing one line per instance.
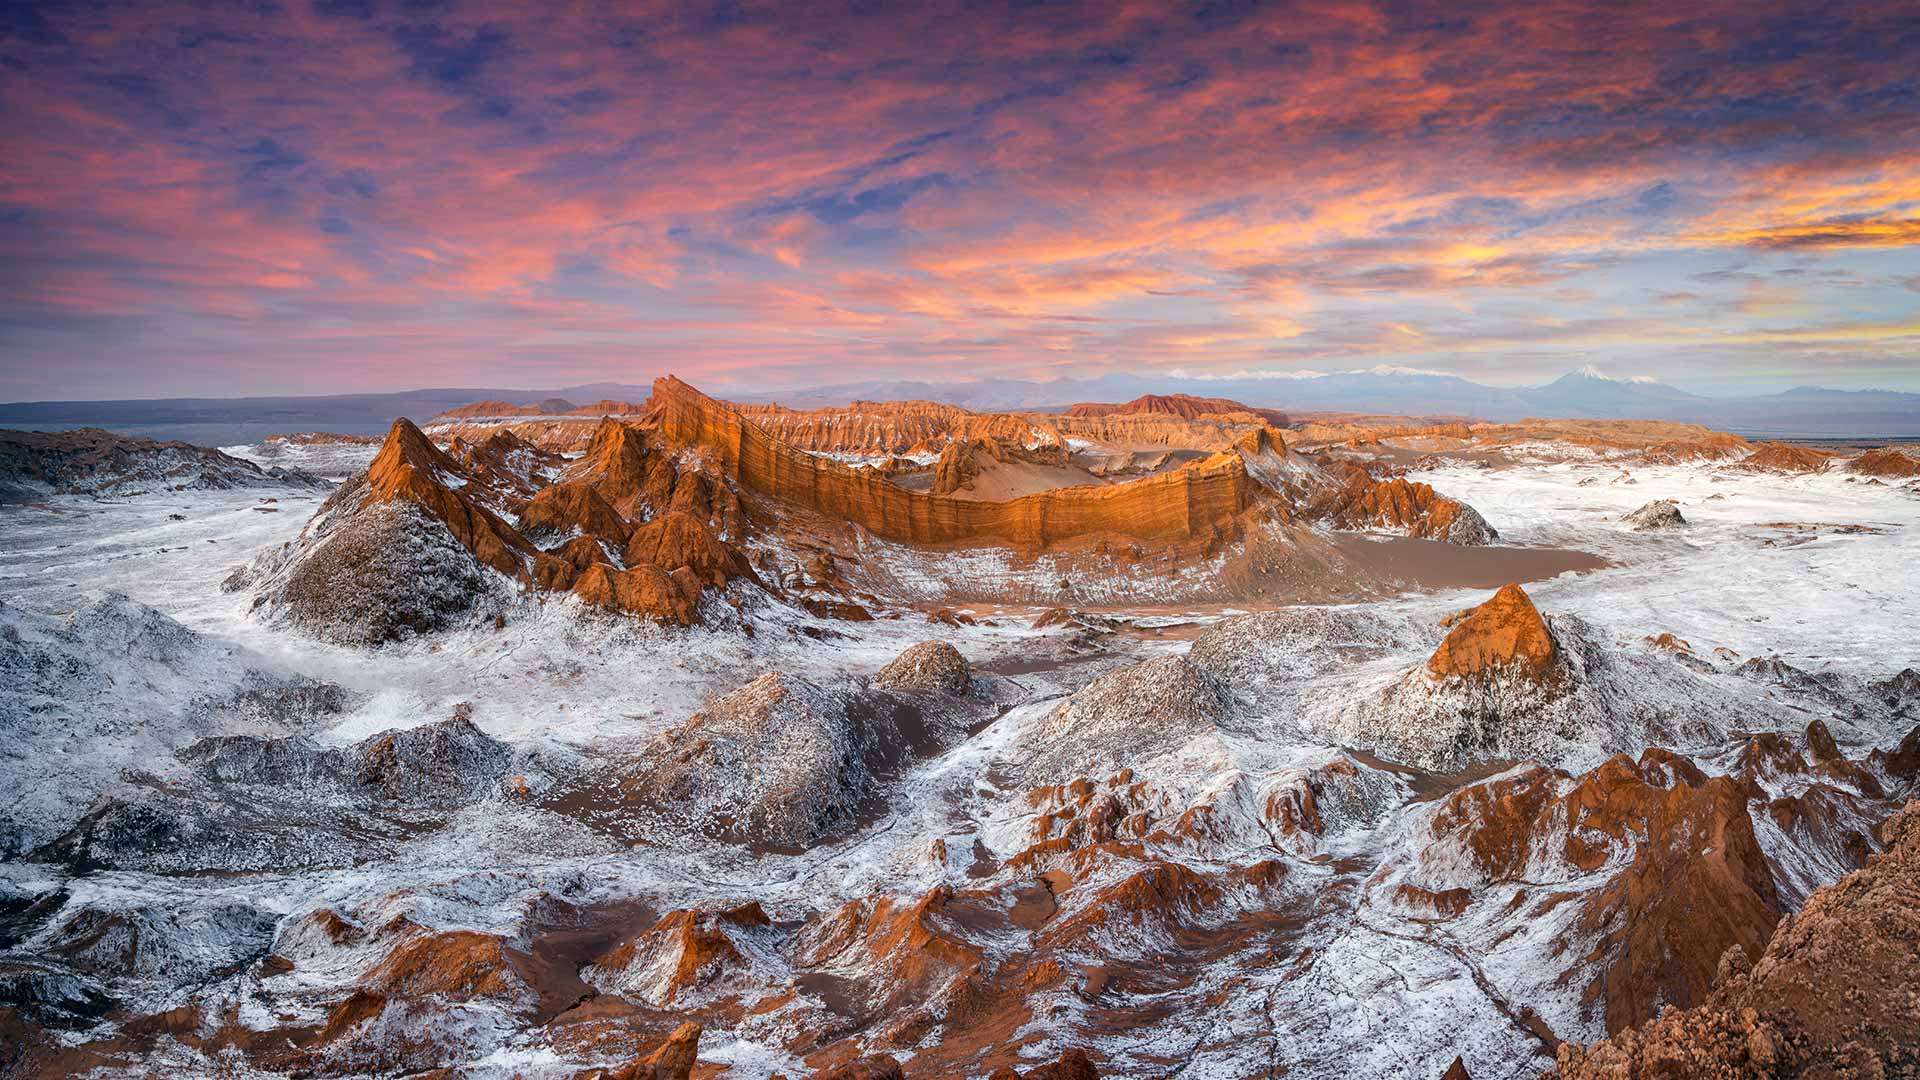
(1816, 570)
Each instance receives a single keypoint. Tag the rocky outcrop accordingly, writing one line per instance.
(90, 461)
(1708, 446)
(642, 590)
(403, 549)
(678, 540)
(931, 666)
(252, 803)
(1683, 876)
(674, 1059)
(1886, 462)
(566, 510)
(1504, 635)
(1830, 994)
(1784, 459)
(1398, 505)
(784, 761)
(690, 951)
(410, 469)
(1125, 717)
(407, 547)
(1655, 516)
(1506, 683)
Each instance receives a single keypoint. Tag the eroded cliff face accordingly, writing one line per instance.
(1178, 505)
(1830, 995)
(1139, 430)
(875, 428)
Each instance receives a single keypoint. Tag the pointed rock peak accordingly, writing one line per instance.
(406, 439)
(671, 388)
(1821, 746)
(1456, 1071)
(406, 453)
(1504, 633)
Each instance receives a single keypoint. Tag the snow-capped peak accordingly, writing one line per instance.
(1589, 371)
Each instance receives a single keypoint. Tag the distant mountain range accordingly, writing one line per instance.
(1806, 412)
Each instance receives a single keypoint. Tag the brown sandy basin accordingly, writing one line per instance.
(1432, 564)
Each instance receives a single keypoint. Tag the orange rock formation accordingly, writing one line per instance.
(1884, 462)
(411, 469)
(1505, 633)
(1177, 505)
(1782, 458)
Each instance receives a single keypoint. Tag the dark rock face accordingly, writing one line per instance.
(928, 666)
(387, 573)
(784, 761)
(1128, 714)
(1656, 515)
(261, 803)
(89, 461)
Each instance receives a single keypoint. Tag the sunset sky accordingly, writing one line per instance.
(316, 197)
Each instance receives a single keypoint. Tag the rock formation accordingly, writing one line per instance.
(1656, 515)
(1829, 995)
(928, 666)
(1886, 462)
(783, 761)
(402, 549)
(89, 461)
(1125, 716)
(876, 428)
(1505, 635)
(1178, 505)
(1784, 458)
(1506, 683)
(1356, 500)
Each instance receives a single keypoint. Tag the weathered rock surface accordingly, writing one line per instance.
(402, 549)
(784, 761)
(1656, 515)
(1503, 635)
(1126, 716)
(1401, 506)
(928, 666)
(1885, 462)
(258, 804)
(1177, 505)
(1783, 458)
(1506, 683)
(1831, 993)
(90, 461)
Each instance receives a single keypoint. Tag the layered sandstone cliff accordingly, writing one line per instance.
(1178, 505)
(874, 428)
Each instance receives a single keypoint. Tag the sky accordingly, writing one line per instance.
(323, 196)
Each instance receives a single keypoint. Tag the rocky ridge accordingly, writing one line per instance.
(88, 461)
